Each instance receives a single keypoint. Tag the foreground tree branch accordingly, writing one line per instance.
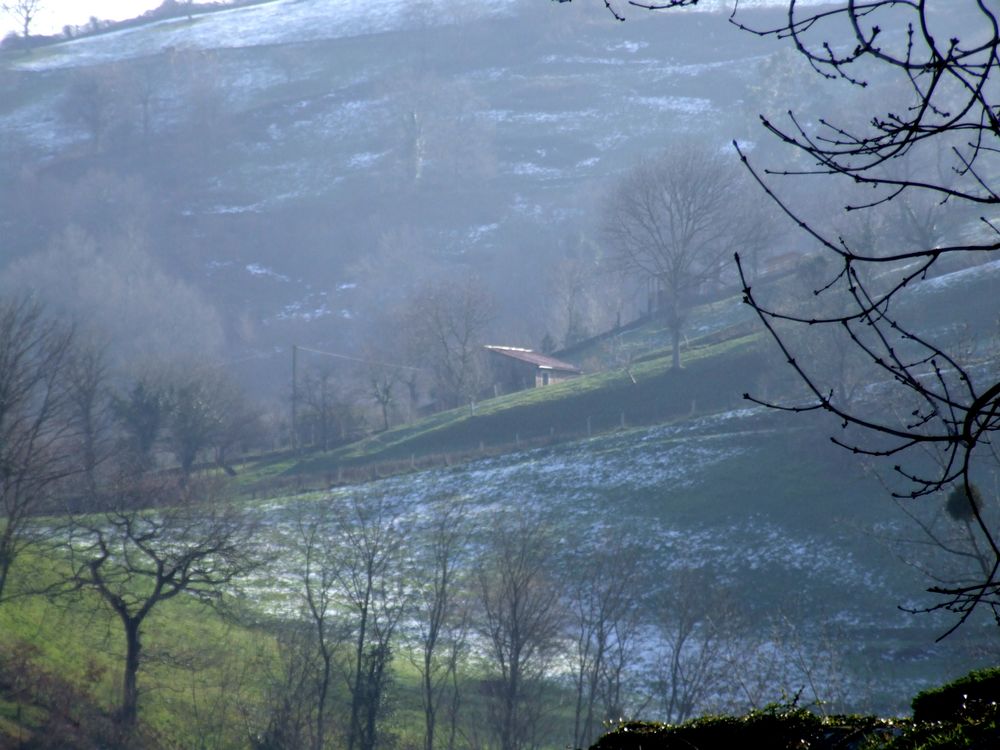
(922, 393)
(950, 404)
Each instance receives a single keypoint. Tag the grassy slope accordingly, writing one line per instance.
(201, 671)
(712, 378)
(773, 478)
(769, 477)
(203, 682)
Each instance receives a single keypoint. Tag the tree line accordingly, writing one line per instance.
(508, 637)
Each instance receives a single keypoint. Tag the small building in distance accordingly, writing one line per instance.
(517, 369)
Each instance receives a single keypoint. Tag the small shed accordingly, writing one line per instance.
(517, 369)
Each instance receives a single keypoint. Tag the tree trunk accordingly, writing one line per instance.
(509, 739)
(374, 687)
(429, 704)
(453, 709)
(8, 551)
(359, 679)
(324, 686)
(588, 720)
(675, 352)
(130, 688)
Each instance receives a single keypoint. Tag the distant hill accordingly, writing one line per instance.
(302, 165)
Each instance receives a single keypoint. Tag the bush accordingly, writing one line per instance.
(961, 714)
(974, 696)
(775, 727)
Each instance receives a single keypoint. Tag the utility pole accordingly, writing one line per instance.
(295, 398)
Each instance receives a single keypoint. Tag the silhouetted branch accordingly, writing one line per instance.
(949, 87)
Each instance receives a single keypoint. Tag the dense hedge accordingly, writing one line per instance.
(972, 697)
(961, 714)
(774, 728)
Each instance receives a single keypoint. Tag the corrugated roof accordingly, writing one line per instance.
(541, 361)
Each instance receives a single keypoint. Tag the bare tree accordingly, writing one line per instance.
(24, 11)
(603, 605)
(442, 613)
(393, 339)
(367, 564)
(238, 423)
(828, 353)
(383, 381)
(352, 599)
(449, 321)
(199, 75)
(111, 282)
(35, 452)
(575, 283)
(90, 398)
(674, 220)
(326, 414)
(206, 410)
(157, 540)
(402, 261)
(320, 589)
(693, 627)
(442, 134)
(289, 720)
(521, 625)
(942, 540)
(114, 104)
(141, 414)
(100, 100)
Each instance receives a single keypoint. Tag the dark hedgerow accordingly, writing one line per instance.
(974, 696)
(776, 727)
(961, 714)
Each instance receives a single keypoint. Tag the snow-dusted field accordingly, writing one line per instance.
(308, 20)
(813, 579)
(270, 23)
(624, 485)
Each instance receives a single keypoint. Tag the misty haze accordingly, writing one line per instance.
(526, 374)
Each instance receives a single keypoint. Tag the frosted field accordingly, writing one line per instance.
(633, 485)
(623, 486)
(271, 23)
(308, 20)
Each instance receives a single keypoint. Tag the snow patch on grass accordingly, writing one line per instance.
(689, 105)
(267, 24)
(948, 280)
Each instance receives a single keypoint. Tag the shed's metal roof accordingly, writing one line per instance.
(541, 361)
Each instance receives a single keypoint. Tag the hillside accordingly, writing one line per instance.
(790, 527)
(302, 166)
(258, 191)
(790, 524)
(630, 382)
